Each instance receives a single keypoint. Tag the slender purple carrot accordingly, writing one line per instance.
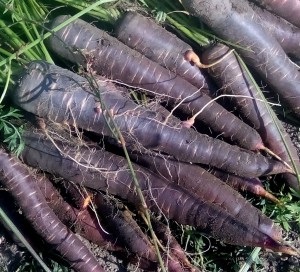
(64, 97)
(22, 185)
(104, 171)
(176, 256)
(121, 223)
(95, 49)
(233, 79)
(235, 22)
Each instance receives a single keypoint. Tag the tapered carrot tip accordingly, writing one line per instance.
(279, 168)
(276, 247)
(260, 191)
(270, 152)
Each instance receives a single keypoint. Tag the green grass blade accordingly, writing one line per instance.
(250, 260)
(29, 46)
(19, 235)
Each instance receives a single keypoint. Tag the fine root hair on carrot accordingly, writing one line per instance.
(192, 120)
(176, 107)
(192, 57)
(132, 72)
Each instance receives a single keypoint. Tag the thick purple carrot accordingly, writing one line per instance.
(285, 33)
(93, 48)
(83, 221)
(64, 97)
(158, 44)
(207, 187)
(105, 171)
(233, 79)
(235, 21)
(16, 177)
(287, 9)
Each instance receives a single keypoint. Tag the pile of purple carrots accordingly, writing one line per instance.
(112, 151)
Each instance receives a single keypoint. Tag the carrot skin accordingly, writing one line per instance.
(110, 58)
(252, 185)
(18, 180)
(64, 97)
(288, 9)
(253, 111)
(235, 21)
(104, 171)
(287, 35)
(207, 187)
(156, 43)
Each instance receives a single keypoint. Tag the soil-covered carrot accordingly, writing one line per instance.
(105, 171)
(93, 48)
(233, 79)
(64, 97)
(158, 44)
(207, 187)
(22, 185)
(287, 9)
(235, 22)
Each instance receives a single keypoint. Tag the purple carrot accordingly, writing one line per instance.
(158, 44)
(104, 54)
(233, 79)
(121, 223)
(287, 9)
(64, 97)
(22, 185)
(207, 187)
(252, 185)
(285, 33)
(105, 171)
(235, 21)
(176, 256)
(82, 221)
